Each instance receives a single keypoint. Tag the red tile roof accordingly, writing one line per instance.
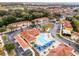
(30, 34)
(27, 36)
(67, 24)
(61, 50)
(21, 42)
(33, 31)
(76, 33)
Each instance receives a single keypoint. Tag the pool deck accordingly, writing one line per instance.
(45, 38)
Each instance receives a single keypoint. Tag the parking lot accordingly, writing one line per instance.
(19, 51)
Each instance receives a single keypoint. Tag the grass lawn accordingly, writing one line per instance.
(59, 35)
(2, 29)
(76, 24)
(12, 53)
(5, 37)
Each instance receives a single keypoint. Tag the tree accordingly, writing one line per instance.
(75, 24)
(9, 46)
(77, 17)
(2, 30)
(17, 13)
(76, 10)
(8, 19)
(69, 18)
(5, 22)
(44, 28)
(28, 17)
(37, 14)
(3, 12)
(11, 19)
(33, 24)
(5, 37)
(56, 15)
(46, 13)
(1, 23)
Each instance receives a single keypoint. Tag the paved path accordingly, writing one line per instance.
(3, 45)
(53, 31)
(11, 38)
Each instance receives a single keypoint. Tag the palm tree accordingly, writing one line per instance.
(44, 28)
(9, 47)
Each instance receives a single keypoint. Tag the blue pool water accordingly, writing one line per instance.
(46, 43)
(41, 38)
(41, 48)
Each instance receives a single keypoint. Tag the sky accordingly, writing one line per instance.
(39, 0)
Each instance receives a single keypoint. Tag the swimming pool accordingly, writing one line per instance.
(45, 40)
(41, 38)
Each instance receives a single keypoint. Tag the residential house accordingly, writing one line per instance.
(66, 27)
(33, 38)
(25, 46)
(75, 36)
(41, 21)
(61, 50)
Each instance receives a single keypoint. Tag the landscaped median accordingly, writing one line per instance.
(2, 30)
(5, 37)
(10, 49)
(8, 46)
(58, 34)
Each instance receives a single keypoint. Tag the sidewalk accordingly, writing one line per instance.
(74, 52)
(3, 45)
(65, 37)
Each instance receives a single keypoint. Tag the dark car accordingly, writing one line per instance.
(27, 53)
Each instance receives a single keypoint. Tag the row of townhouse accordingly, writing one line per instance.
(75, 37)
(32, 38)
(25, 38)
(41, 21)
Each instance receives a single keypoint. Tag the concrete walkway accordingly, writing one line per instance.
(6, 54)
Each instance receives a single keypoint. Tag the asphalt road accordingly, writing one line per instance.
(11, 34)
(54, 30)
